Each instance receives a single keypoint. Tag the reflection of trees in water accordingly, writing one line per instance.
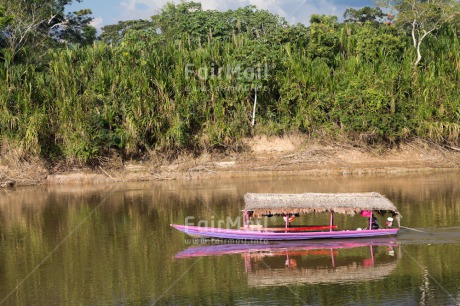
(127, 244)
(428, 200)
(424, 200)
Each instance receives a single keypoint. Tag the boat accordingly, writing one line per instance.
(289, 206)
(319, 261)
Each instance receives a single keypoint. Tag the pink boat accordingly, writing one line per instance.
(289, 206)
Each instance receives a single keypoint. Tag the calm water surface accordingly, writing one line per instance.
(106, 245)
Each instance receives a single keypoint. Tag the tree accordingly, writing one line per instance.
(257, 23)
(75, 28)
(379, 44)
(422, 17)
(174, 19)
(324, 39)
(253, 62)
(114, 33)
(373, 15)
(188, 18)
(37, 24)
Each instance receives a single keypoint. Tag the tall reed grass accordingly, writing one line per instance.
(137, 96)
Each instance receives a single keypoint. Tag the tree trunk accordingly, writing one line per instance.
(419, 55)
(254, 108)
(419, 43)
(414, 40)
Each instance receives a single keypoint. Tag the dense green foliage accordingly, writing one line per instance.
(366, 14)
(29, 29)
(186, 80)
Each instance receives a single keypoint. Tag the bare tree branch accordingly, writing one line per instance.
(424, 17)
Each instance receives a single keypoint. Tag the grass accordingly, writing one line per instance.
(136, 97)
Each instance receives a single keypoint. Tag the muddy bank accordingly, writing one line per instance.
(263, 157)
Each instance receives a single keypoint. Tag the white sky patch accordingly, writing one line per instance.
(141, 9)
(322, 7)
(144, 9)
(293, 11)
(303, 12)
(275, 6)
(98, 23)
(220, 5)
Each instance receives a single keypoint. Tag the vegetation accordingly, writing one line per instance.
(188, 79)
(35, 27)
(422, 18)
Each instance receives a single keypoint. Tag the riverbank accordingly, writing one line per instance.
(263, 156)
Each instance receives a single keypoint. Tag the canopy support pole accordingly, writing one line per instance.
(331, 220)
(372, 254)
(370, 220)
(245, 219)
(332, 258)
(247, 262)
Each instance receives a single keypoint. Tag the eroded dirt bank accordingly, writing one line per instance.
(264, 157)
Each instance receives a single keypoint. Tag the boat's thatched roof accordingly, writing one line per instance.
(342, 274)
(348, 203)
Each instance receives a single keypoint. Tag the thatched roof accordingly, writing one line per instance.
(342, 274)
(348, 203)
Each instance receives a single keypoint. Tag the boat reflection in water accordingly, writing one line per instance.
(294, 262)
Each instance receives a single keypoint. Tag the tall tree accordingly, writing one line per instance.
(188, 18)
(37, 24)
(324, 39)
(422, 17)
(75, 28)
(256, 60)
(373, 15)
(114, 33)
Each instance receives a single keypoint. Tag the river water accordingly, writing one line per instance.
(112, 244)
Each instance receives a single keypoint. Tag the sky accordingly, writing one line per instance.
(107, 12)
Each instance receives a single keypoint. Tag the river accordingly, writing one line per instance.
(112, 244)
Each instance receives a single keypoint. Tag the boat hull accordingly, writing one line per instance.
(224, 233)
